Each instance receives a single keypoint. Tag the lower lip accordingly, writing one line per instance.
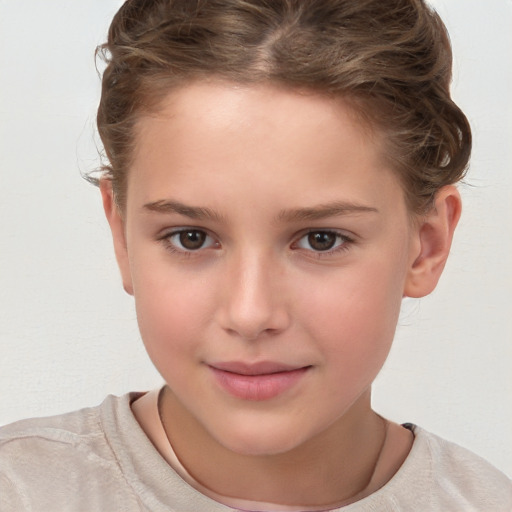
(258, 387)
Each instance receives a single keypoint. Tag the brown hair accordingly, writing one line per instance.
(390, 58)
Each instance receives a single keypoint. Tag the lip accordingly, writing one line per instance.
(257, 381)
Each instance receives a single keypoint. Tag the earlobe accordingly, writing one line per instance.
(434, 239)
(117, 228)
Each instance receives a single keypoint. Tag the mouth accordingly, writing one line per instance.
(257, 381)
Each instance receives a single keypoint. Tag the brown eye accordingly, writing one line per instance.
(189, 240)
(192, 239)
(322, 240)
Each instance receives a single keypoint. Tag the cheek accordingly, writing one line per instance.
(354, 316)
(173, 309)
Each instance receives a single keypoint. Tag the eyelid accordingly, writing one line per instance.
(347, 240)
(167, 235)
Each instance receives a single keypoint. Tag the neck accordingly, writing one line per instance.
(334, 468)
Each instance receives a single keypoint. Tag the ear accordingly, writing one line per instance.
(434, 236)
(116, 223)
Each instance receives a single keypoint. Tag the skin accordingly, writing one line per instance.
(268, 166)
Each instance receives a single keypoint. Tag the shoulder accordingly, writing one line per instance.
(45, 435)
(457, 479)
(62, 428)
(440, 475)
(54, 456)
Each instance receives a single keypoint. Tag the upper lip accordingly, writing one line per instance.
(259, 368)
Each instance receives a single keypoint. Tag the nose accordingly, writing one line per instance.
(254, 298)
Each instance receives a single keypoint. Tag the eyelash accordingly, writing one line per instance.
(172, 246)
(346, 242)
(342, 239)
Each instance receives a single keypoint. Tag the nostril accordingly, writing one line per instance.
(250, 305)
(254, 335)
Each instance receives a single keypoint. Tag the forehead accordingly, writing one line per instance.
(222, 104)
(211, 135)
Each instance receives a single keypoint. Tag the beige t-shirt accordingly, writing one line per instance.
(99, 459)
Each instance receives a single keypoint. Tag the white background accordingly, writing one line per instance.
(68, 334)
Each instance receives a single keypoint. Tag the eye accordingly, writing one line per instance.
(188, 240)
(323, 241)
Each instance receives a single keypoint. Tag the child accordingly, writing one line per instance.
(280, 175)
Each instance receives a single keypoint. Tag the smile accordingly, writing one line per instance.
(256, 382)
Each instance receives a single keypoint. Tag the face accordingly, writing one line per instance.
(268, 248)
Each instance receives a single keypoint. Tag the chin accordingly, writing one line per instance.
(260, 439)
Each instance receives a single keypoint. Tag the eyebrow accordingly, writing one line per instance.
(192, 212)
(317, 212)
(323, 211)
